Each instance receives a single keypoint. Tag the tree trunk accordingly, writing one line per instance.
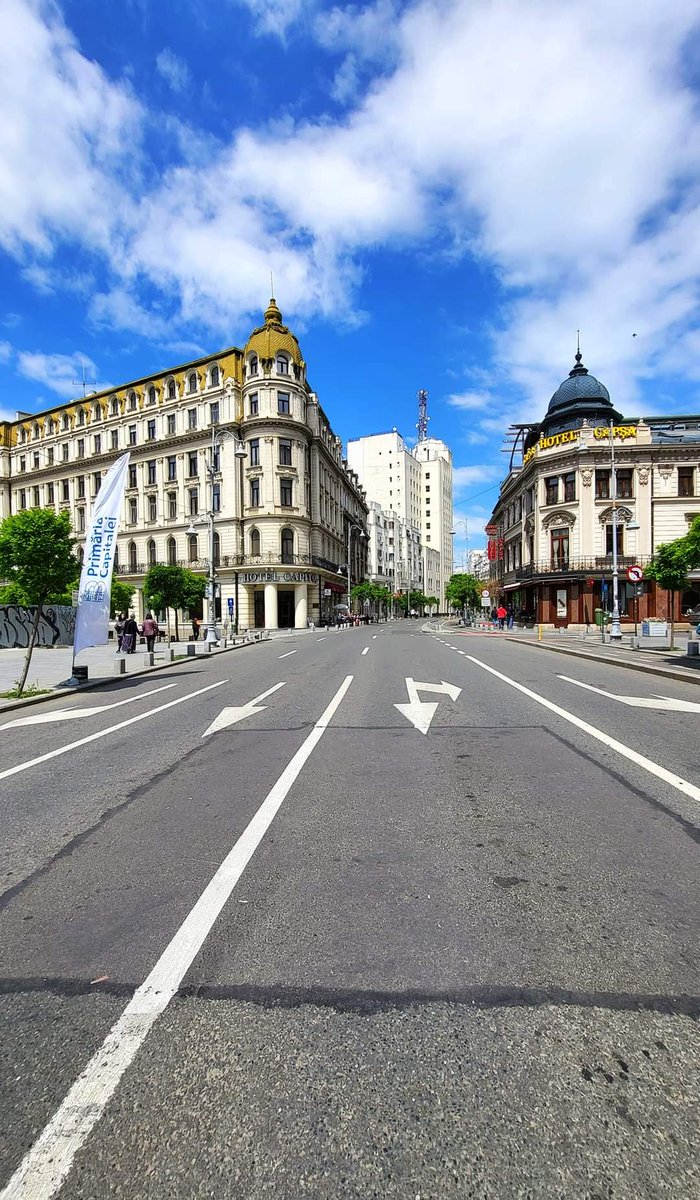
(177, 632)
(672, 597)
(30, 649)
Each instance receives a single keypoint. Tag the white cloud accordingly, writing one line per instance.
(173, 69)
(468, 477)
(62, 373)
(276, 16)
(470, 400)
(5, 351)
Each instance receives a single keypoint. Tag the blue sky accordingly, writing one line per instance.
(445, 191)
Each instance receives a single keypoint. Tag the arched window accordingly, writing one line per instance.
(151, 552)
(116, 559)
(172, 552)
(132, 401)
(152, 395)
(217, 550)
(253, 364)
(133, 562)
(114, 407)
(172, 391)
(192, 381)
(37, 431)
(255, 543)
(52, 426)
(282, 364)
(64, 421)
(287, 545)
(97, 413)
(22, 435)
(214, 376)
(81, 554)
(81, 416)
(192, 548)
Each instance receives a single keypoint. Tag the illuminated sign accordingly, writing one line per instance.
(548, 443)
(619, 431)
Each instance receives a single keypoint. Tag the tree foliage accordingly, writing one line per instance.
(464, 591)
(673, 561)
(120, 597)
(166, 587)
(37, 562)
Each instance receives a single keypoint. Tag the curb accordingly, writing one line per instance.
(647, 669)
(11, 705)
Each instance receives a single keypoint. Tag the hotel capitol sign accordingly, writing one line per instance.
(278, 577)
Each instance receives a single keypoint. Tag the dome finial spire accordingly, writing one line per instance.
(578, 356)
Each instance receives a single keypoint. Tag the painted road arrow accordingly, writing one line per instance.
(72, 714)
(662, 703)
(417, 711)
(231, 716)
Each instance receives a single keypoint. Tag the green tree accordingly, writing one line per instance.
(36, 557)
(669, 568)
(692, 538)
(463, 591)
(120, 597)
(194, 588)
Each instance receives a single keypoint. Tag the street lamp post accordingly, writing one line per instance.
(362, 534)
(615, 630)
(212, 469)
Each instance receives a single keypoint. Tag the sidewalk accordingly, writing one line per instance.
(670, 664)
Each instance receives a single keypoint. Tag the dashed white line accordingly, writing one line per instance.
(374, 637)
(366, 650)
(287, 654)
(321, 639)
(44, 1168)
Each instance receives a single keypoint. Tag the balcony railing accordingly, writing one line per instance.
(131, 567)
(579, 566)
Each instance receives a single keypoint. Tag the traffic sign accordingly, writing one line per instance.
(634, 574)
(230, 606)
(485, 593)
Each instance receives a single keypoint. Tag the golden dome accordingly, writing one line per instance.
(268, 339)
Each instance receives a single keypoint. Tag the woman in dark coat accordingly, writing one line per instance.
(131, 632)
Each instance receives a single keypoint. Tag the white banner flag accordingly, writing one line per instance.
(92, 621)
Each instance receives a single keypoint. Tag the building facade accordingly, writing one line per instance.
(585, 472)
(239, 435)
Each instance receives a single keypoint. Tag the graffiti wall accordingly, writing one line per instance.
(56, 627)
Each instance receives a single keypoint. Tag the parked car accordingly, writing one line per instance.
(692, 615)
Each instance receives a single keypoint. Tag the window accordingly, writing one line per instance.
(133, 511)
(602, 484)
(23, 498)
(194, 501)
(36, 431)
(65, 494)
(255, 543)
(81, 520)
(152, 395)
(65, 451)
(192, 382)
(172, 391)
(132, 476)
(172, 505)
(22, 462)
(114, 407)
(216, 459)
(81, 487)
(171, 423)
(192, 463)
(560, 549)
(80, 450)
(151, 470)
(255, 493)
(96, 481)
(624, 483)
(253, 365)
(570, 486)
(214, 413)
(132, 435)
(132, 402)
(551, 490)
(254, 452)
(427, 488)
(216, 498)
(287, 545)
(98, 443)
(49, 456)
(427, 512)
(114, 439)
(98, 412)
(283, 402)
(191, 418)
(254, 408)
(132, 557)
(37, 498)
(151, 552)
(609, 539)
(286, 493)
(172, 552)
(285, 458)
(49, 493)
(217, 550)
(282, 365)
(150, 430)
(65, 423)
(686, 481)
(214, 378)
(172, 467)
(192, 548)
(35, 461)
(152, 508)
(81, 416)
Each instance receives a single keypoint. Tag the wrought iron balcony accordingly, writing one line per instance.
(601, 565)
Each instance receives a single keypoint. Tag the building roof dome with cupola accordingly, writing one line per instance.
(274, 336)
(580, 397)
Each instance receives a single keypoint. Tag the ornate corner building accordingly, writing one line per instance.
(280, 512)
(551, 532)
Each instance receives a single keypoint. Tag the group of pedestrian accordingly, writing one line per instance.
(127, 632)
(503, 616)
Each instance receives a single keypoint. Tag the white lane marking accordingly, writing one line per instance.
(287, 654)
(417, 711)
(45, 1167)
(71, 714)
(321, 639)
(676, 781)
(231, 715)
(93, 737)
(374, 637)
(366, 650)
(663, 703)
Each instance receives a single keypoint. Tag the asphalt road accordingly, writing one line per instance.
(454, 964)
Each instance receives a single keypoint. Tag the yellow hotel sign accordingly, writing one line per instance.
(572, 435)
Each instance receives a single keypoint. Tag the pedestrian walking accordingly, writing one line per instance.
(195, 628)
(501, 614)
(150, 631)
(511, 616)
(131, 632)
(119, 630)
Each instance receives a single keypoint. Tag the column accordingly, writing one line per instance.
(271, 606)
(300, 606)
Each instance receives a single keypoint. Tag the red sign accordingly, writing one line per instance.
(494, 549)
(490, 530)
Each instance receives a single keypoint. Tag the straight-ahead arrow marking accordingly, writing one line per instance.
(417, 711)
(662, 703)
(70, 714)
(230, 716)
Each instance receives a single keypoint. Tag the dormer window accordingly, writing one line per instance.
(81, 416)
(132, 401)
(97, 413)
(214, 376)
(114, 407)
(192, 382)
(253, 365)
(152, 395)
(172, 391)
(65, 423)
(282, 365)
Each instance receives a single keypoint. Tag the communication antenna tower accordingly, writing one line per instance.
(423, 417)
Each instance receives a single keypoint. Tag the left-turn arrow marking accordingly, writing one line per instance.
(417, 711)
(232, 715)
